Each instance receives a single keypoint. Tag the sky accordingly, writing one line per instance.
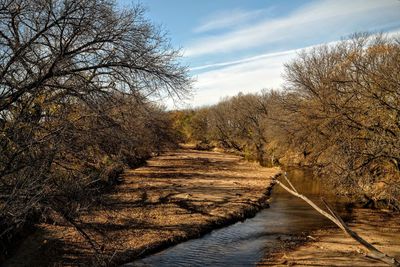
(233, 46)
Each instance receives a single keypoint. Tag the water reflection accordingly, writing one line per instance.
(246, 243)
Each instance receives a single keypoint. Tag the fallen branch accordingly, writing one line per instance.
(336, 219)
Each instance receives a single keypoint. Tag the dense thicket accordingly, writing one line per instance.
(77, 81)
(339, 113)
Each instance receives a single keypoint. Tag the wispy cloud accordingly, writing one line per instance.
(318, 18)
(244, 60)
(226, 19)
(247, 75)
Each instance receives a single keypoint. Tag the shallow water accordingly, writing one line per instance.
(246, 243)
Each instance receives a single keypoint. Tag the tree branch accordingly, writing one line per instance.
(336, 219)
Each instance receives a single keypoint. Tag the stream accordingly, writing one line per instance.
(248, 242)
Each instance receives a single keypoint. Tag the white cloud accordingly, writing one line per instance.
(318, 18)
(227, 19)
(250, 75)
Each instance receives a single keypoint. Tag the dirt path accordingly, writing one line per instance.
(177, 196)
(333, 248)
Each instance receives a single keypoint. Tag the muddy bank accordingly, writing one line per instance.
(179, 195)
(331, 247)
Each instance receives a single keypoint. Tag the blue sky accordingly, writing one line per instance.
(236, 46)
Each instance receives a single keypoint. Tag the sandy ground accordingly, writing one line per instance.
(177, 196)
(333, 248)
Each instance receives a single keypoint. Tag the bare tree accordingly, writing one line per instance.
(343, 103)
(77, 81)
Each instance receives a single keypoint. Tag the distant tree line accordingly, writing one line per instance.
(77, 84)
(338, 113)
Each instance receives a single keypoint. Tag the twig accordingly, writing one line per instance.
(287, 180)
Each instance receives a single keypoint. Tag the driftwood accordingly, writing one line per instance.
(336, 219)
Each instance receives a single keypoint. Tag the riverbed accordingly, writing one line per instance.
(177, 196)
(286, 222)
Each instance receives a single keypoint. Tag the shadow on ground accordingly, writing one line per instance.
(179, 195)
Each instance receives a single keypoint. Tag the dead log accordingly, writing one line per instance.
(336, 219)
